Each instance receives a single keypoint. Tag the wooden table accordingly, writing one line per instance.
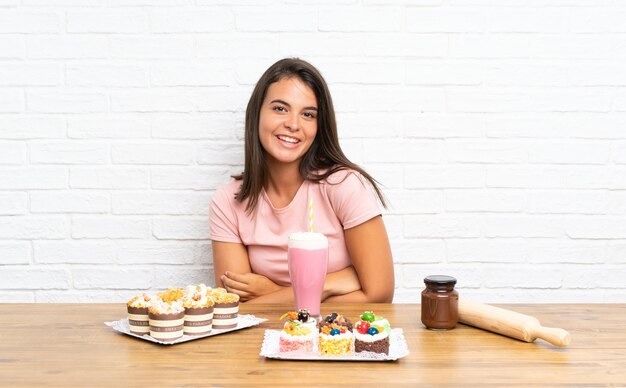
(68, 345)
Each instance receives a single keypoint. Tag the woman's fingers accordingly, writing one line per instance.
(248, 285)
(240, 278)
(232, 284)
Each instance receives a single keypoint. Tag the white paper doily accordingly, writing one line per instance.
(397, 349)
(243, 321)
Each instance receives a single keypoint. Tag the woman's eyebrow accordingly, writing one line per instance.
(278, 100)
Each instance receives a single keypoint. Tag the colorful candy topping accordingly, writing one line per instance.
(371, 324)
(362, 327)
(302, 315)
(330, 318)
(382, 324)
(338, 319)
(295, 323)
(292, 315)
(333, 328)
(368, 316)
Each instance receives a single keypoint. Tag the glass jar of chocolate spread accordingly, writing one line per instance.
(440, 303)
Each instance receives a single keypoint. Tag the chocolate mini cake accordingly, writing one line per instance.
(377, 346)
(371, 334)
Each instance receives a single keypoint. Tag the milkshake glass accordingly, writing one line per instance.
(307, 254)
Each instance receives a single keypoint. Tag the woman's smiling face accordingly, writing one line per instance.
(288, 121)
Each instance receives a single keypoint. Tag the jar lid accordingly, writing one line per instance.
(440, 280)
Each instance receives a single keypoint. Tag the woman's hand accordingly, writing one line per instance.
(248, 285)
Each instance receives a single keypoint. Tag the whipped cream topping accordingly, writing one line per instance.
(161, 307)
(304, 337)
(198, 288)
(140, 301)
(370, 338)
(197, 299)
(337, 337)
(311, 323)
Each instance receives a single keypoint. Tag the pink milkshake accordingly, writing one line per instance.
(308, 262)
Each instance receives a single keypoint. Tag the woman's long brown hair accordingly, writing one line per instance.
(325, 154)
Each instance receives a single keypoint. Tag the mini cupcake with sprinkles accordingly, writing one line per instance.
(298, 333)
(335, 335)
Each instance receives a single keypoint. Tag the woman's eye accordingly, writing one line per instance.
(309, 115)
(279, 108)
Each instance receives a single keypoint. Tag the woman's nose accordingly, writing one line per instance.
(292, 122)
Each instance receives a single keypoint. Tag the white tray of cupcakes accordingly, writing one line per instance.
(180, 315)
(335, 338)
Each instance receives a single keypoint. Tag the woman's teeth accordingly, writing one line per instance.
(288, 139)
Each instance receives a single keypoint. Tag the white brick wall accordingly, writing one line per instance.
(497, 127)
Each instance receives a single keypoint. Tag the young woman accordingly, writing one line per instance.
(292, 153)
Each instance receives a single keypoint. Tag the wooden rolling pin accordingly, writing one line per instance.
(509, 323)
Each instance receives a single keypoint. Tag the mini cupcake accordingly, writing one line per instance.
(198, 310)
(138, 314)
(371, 334)
(298, 333)
(335, 335)
(167, 315)
(225, 310)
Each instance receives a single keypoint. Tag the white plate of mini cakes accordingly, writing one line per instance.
(243, 321)
(397, 349)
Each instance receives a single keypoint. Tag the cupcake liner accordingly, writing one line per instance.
(167, 327)
(198, 320)
(225, 315)
(138, 320)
